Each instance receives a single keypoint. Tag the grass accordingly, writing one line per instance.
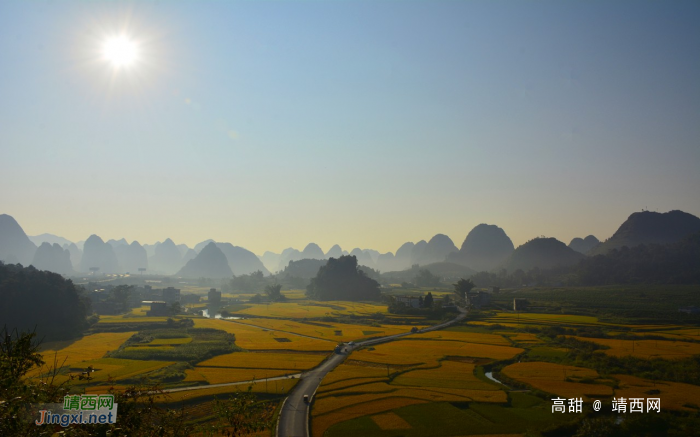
(546, 352)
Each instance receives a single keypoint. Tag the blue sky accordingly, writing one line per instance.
(368, 124)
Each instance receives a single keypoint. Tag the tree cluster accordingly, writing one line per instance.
(341, 279)
(43, 300)
(425, 278)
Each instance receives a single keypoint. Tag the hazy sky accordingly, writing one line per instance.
(274, 124)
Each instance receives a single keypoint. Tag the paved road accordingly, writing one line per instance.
(294, 417)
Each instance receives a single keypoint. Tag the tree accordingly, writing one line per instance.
(428, 301)
(340, 279)
(426, 279)
(121, 294)
(43, 300)
(175, 308)
(256, 299)
(243, 414)
(274, 292)
(18, 355)
(462, 287)
(446, 301)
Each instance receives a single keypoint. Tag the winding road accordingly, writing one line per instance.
(294, 417)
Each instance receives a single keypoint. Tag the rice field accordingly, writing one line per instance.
(116, 368)
(247, 366)
(417, 352)
(565, 381)
(465, 336)
(438, 375)
(90, 347)
(349, 372)
(390, 421)
(666, 349)
(220, 375)
(335, 332)
(205, 393)
(319, 424)
(262, 360)
(450, 374)
(254, 338)
(299, 310)
(673, 395)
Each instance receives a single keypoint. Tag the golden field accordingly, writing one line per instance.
(90, 347)
(673, 395)
(116, 368)
(417, 352)
(319, 424)
(666, 349)
(265, 360)
(450, 374)
(221, 375)
(467, 337)
(336, 332)
(558, 379)
(254, 338)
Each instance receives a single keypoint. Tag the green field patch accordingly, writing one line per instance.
(544, 352)
(204, 343)
(372, 332)
(170, 341)
(147, 347)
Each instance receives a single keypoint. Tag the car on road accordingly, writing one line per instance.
(352, 343)
(306, 399)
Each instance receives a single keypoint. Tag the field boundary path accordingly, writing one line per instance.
(293, 420)
(226, 384)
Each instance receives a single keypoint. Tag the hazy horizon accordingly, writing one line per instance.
(365, 124)
(324, 247)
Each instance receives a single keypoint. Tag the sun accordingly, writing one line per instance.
(120, 51)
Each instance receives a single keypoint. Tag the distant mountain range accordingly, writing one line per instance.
(650, 227)
(485, 248)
